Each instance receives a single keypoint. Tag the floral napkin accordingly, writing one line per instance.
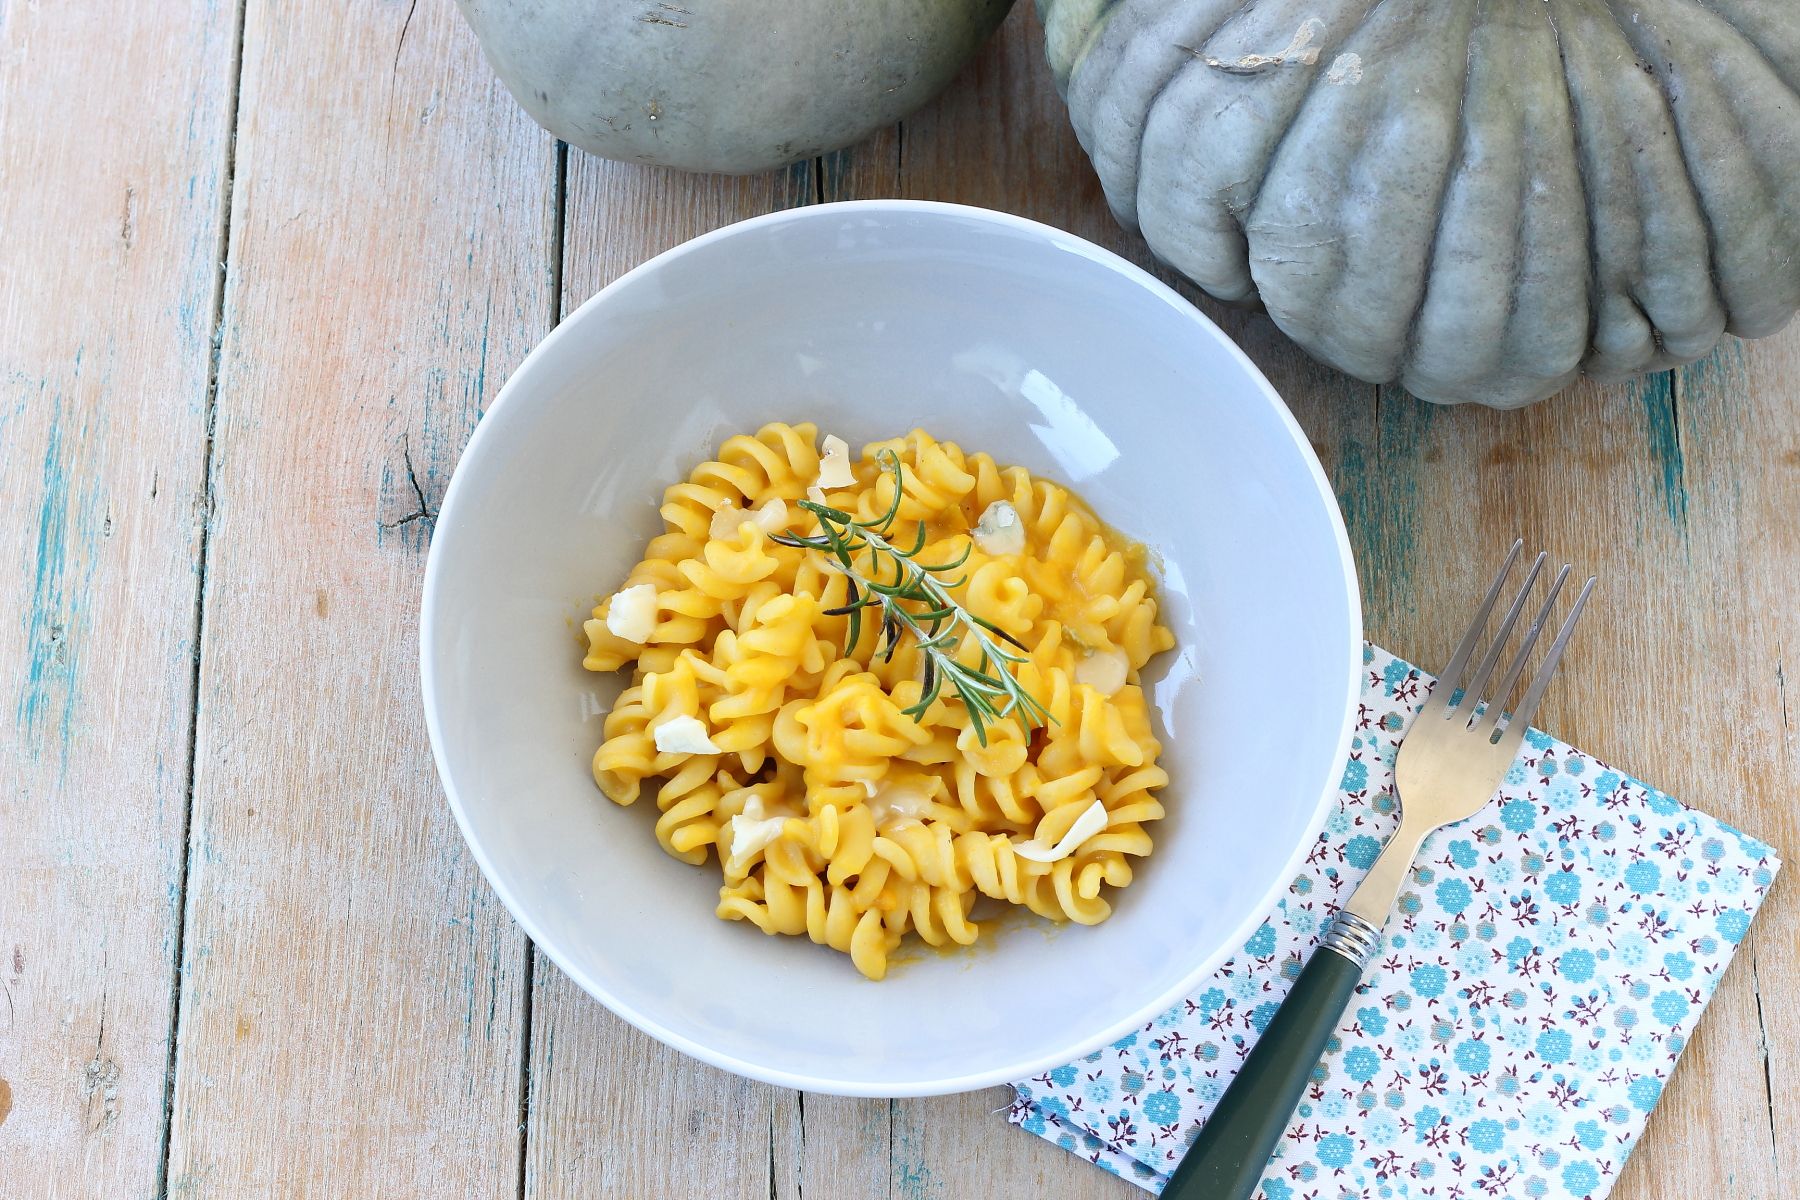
(1534, 989)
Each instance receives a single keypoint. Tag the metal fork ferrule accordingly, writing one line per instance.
(1352, 937)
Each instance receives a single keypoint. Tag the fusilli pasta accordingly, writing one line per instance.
(771, 745)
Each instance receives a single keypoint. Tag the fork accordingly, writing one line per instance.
(1449, 766)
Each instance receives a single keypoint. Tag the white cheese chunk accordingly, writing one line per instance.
(834, 467)
(1103, 670)
(632, 615)
(1086, 826)
(684, 735)
(1000, 531)
(772, 517)
(755, 829)
(899, 801)
(816, 494)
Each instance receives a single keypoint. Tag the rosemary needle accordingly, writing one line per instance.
(913, 599)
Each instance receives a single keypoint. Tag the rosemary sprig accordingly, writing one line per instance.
(893, 580)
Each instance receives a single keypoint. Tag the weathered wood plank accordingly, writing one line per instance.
(616, 215)
(844, 1148)
(111, 206)
(1754, 482)
(948, 1147)
(350, 1018)
(1721, 732)
(615, 1113)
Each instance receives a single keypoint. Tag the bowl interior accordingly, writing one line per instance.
(871, 319)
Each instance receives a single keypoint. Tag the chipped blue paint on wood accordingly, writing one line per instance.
(798, 184)
(477, 399)
(831, 175)
(1377, 484)
(912, 1180)
(49, 667)
(1657, 394)
(1710, 394)
(909, 1178)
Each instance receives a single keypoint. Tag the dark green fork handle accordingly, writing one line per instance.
(1228, 1159)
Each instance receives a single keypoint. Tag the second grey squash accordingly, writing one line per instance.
(733, 86)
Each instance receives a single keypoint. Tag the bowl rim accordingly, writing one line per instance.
(851, 1084)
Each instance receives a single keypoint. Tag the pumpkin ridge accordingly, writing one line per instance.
(1337, 312)
(1244, 115)
(1234, 212)
(1586, 193)
(1707, 225)
(1702, 82)
(1100, 91)
(1730, 21)
(1551, 201)
(1306, 97)
(1771, 187)
(1521, 219)
(1062, 70)
(1193, 59)
(1636, 284)
(1409, 344)
(1588, 198)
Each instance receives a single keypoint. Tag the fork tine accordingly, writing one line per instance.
(1452, 672)
(1472, 693)
(1521, 718)
(1488, 720)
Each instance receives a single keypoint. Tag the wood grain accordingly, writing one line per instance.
(350, 1019)
(111, 208)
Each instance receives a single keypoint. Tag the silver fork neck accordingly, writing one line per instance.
(1375, 896)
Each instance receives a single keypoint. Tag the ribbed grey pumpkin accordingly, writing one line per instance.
(725, 85)
(1481, 199)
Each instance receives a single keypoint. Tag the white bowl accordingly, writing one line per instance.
(871, 318)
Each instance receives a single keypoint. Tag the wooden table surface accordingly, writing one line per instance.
(261, 267)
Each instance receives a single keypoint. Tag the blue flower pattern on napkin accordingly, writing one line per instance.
(1544, 970)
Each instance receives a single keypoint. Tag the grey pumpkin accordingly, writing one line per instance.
(1480, 199)
(734, 86)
